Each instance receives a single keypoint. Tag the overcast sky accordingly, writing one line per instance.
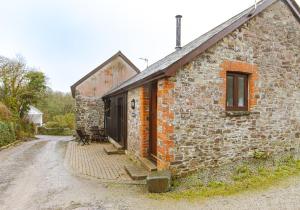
(68, 38)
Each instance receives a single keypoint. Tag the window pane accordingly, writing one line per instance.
(229, 89)
(241, 91)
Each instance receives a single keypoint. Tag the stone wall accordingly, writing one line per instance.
(138, 122)
(88, 94)
(89, 112)
(205, 135)
(133, 118)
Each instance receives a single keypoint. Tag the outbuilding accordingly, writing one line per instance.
(88, 91)
(230, 92)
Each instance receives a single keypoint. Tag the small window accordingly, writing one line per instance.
(236, 92)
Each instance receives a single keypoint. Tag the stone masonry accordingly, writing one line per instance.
(133, 117)
(88, 93)
(195, 131)
(138, 122)
(89, 112)
(205, 135)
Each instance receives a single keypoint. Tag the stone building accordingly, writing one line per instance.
(232, 91)
(89, 89)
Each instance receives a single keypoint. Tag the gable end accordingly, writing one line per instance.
(119, 53)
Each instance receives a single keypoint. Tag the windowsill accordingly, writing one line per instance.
(237, 113)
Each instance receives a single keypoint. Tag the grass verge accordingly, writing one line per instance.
(243, 178)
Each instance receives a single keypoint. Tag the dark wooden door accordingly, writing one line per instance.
(153, 122)
(122, 124)
(116, 119)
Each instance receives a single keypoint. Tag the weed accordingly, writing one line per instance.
(243, 179)
(260, 155)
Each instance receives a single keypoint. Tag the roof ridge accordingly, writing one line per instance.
(168, 65)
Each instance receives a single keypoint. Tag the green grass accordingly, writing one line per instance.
(242, 179)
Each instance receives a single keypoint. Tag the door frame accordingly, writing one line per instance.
(152, 152)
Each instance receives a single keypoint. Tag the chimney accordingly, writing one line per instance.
(178, 32)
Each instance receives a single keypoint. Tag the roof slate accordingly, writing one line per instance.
(175, 56)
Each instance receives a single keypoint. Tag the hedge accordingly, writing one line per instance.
(7, 133)
(55, 131)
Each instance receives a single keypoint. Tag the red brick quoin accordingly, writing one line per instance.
(165, 126)
(144, 121)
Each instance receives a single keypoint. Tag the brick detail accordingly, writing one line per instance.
(242, 67)
(144, 121)
(165, 123)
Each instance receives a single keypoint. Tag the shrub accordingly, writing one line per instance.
(65, 121)
(62, 125)
(5, 114)
(55, 131)
(52, 124)
(7, 133)
(62, 121)
(24, 129)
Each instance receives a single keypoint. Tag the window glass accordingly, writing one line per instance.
(241, 91)
(229, 90)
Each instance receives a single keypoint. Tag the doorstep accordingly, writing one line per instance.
(136, 172)
(112, 150)
(115, 144)
(147, 164)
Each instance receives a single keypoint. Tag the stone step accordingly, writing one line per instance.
(115, 144)
(111, 150)
(147, 164)
(136, 172)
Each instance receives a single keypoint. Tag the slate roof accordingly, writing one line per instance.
(203, 41)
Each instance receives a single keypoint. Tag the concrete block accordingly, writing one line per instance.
(159, 181)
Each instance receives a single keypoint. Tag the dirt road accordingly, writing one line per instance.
(33, 176)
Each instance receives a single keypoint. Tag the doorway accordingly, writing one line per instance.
(122, 121)
(116, 119)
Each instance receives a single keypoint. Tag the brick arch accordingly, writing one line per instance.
(242, 67)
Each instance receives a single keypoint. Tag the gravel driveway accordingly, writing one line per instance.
(33, 176)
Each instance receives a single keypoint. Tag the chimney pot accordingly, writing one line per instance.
(178, 32)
